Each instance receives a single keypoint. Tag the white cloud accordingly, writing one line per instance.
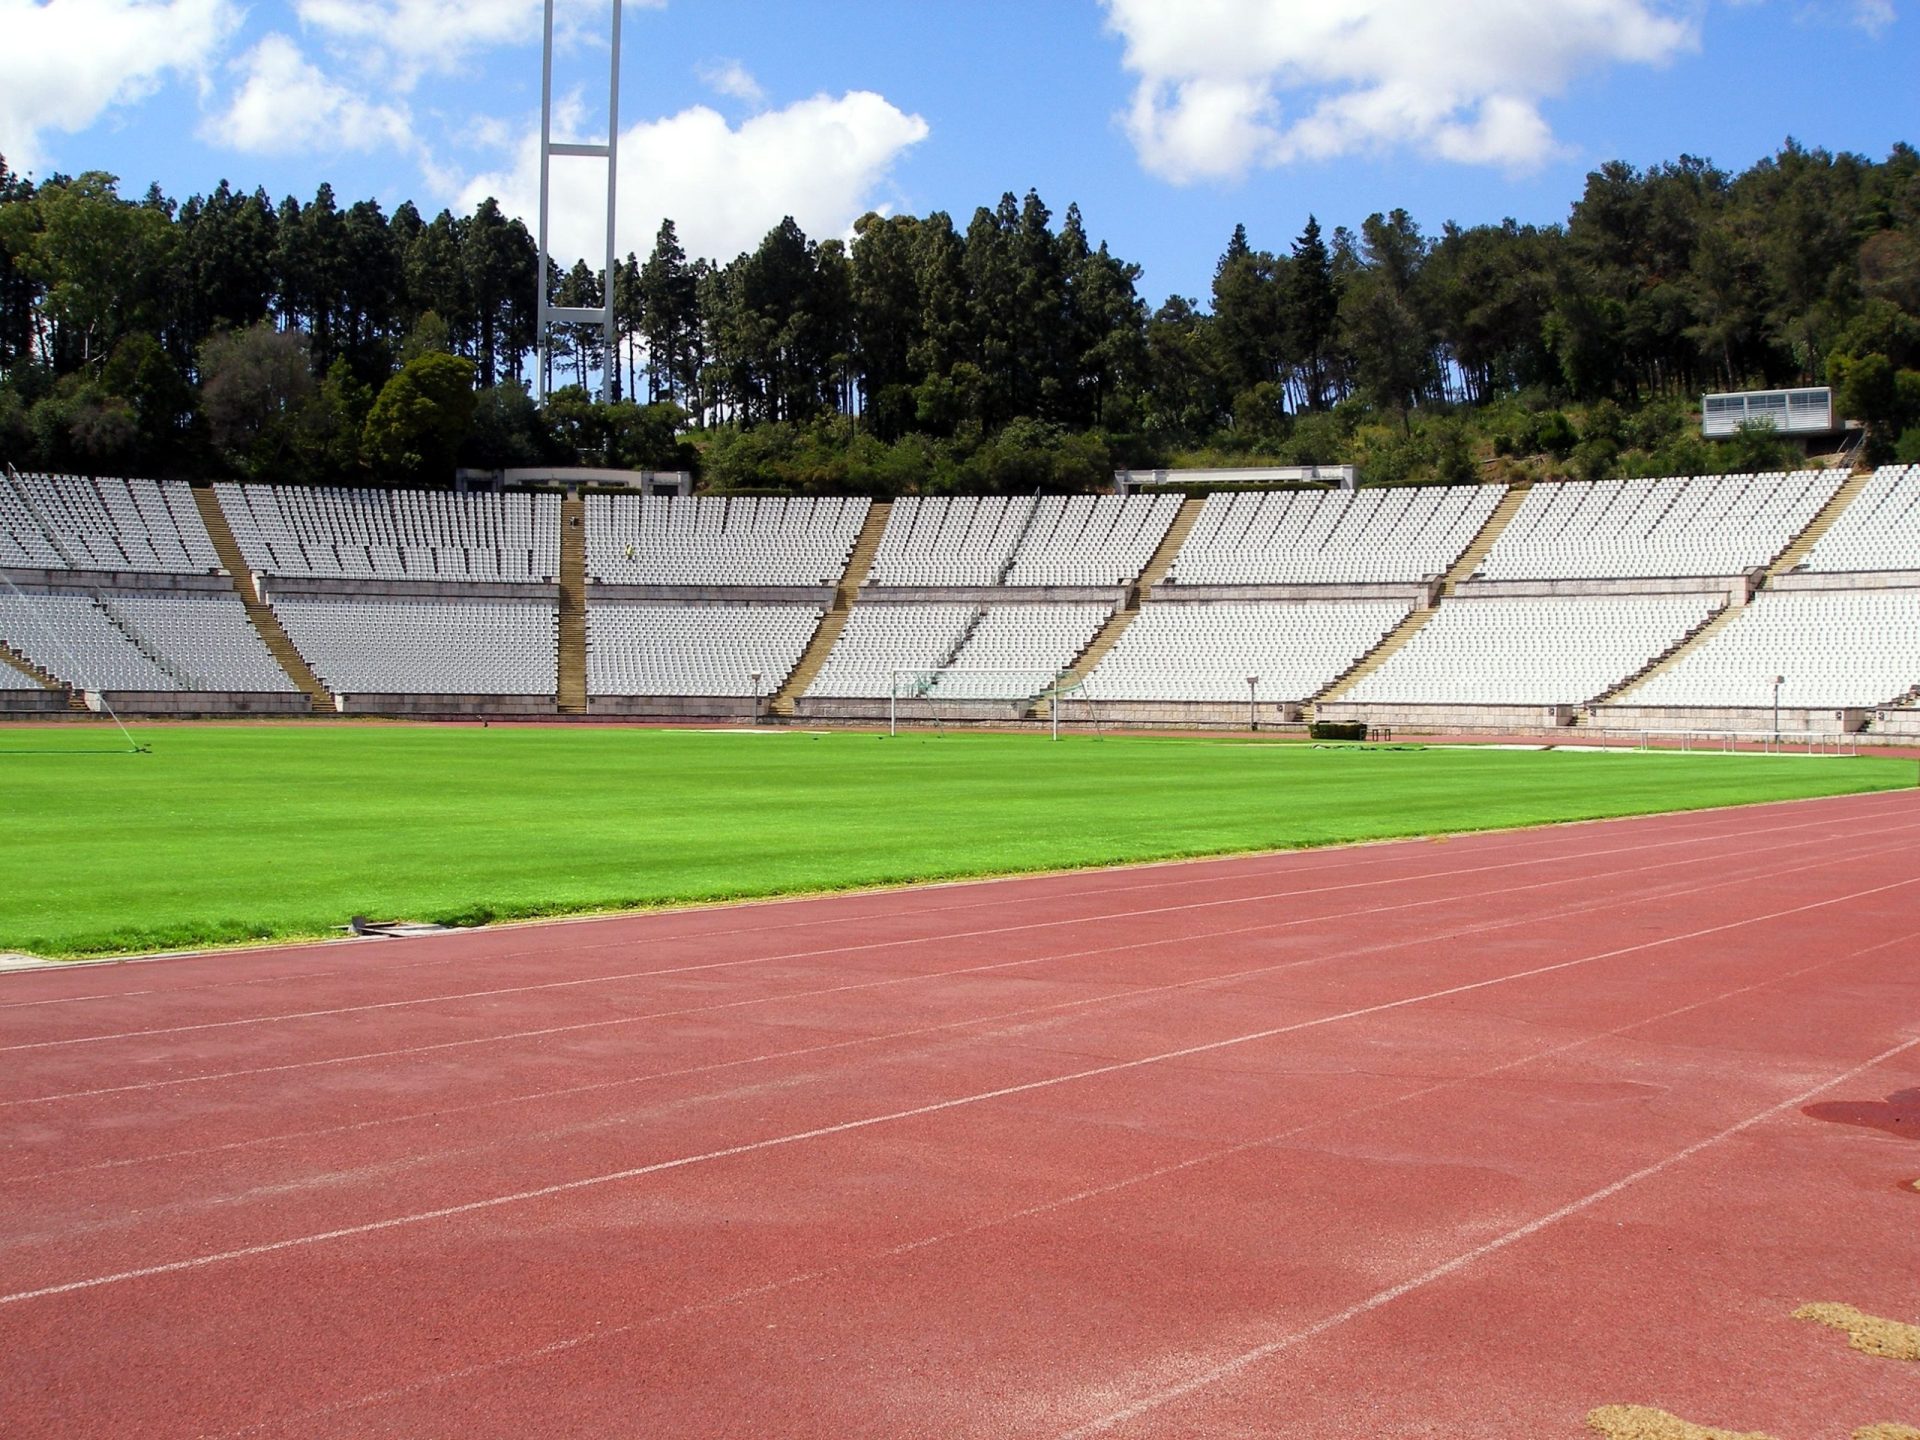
(285, 104)
(732, 79)
(1227, 85)
(66, 62)
(819, 160)
(1873, 16)
(401, 40)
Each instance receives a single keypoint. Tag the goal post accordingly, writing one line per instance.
(970, 693)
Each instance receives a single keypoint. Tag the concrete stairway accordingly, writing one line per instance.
(1797, 549)
(265, 623)
(570, 683)
(1416, 621)
(1116, 624)
(1391, 642)
(1490, 533)
(859, 565)
(15, 660)
(1673, 654)
(1802, 544)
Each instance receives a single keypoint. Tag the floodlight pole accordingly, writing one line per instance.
(547, 314)
(1253, 718)
(1778, 681)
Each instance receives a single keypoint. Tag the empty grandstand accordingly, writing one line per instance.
(70, 636)
(1830, 648)
(1531, 650)
(122, 594)
(881, 640)
(694, 650)
(1183, 650)
(1710, 525)
(394, 535)
(1318, 537)
(1053, 540)
(73, 522)
(1879, 531)
(421, 646)
(950, 540)
(1623, 597)
(740, 540)
(1091, 539)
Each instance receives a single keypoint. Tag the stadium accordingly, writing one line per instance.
(1020, 868)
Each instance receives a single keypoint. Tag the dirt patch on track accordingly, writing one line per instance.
(1891, 1339)
(1639, 1422)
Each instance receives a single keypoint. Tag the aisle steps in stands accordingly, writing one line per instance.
(1489, 535)
(1796, 551)
(265, 623)
(1108, 635)
(571, 682)
(859, 566)
(1671, 656)
(15, 660)
(1462, 569)
(1802, 544)
(161, 660)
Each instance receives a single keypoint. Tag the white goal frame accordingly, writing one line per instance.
(1030, 686)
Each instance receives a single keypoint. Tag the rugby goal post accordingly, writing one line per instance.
(963, 693)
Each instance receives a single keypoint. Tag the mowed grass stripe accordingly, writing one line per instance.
(232, 833)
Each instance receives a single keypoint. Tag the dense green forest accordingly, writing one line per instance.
(229, 335)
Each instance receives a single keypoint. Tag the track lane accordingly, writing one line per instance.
(504, 1282)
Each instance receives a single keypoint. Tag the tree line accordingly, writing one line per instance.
(230, 334)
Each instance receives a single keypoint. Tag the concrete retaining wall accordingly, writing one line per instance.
(677, 707)
(1736, 588)
(446, 705)
(89, 580)
(1852, 580)
(32, 702)
(1409, 590)
(186, 703)
(1450, 719)
(1185, 714)
(819, 596)
(992, 594)
(278, 587)
(1750, 720)
(917, 712)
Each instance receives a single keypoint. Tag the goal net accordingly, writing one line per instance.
(958, 693)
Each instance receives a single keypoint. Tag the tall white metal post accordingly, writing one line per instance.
(549, 314)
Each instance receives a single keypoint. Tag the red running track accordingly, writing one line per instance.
(1452, 1139)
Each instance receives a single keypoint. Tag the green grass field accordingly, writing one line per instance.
(231, 833)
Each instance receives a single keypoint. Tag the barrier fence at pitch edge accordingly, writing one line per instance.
(1770, 742)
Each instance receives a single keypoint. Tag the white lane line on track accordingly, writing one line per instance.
(845, 1127)
(1010, 890)
(1058, 1203)
(996, 966)
(945, 938)
(1381, 1298)
(553, 1133)
(1133, 992)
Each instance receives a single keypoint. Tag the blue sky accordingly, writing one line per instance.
(1167, 120)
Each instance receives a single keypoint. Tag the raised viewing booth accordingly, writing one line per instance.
(1791, 412)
